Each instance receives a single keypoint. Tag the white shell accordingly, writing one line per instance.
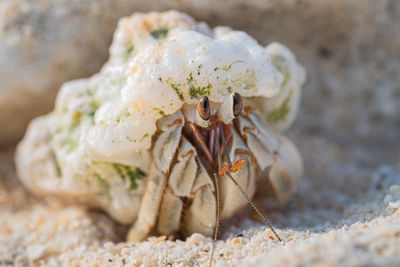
(159, 63)
(147, 77)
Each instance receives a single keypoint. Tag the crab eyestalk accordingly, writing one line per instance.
(231, 108)
(203, 111)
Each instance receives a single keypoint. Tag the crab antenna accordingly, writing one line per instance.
(225, 146)
(217, 217)
(253, 205)
(218, 212)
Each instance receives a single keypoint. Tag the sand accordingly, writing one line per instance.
(341, 216)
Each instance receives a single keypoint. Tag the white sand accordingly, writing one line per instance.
(341, 216)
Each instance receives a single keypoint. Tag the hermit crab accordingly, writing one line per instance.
(179, 125)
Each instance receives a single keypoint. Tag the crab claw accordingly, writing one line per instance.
(236, 166)
(223, 170)
(286, 170)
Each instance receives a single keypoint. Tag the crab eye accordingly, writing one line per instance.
(203, 108)
(237, 105)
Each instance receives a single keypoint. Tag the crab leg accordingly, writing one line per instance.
(180, 184)
(163, 152)
(286, 170)
(200, 216)
(188, 179)
(149, 206)
(261, 145)
(167, 143)
(276, 156)
(234, 168)
(246, 176)
(170, 213)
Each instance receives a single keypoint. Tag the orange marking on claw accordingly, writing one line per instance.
(237, 165)
(223, 170)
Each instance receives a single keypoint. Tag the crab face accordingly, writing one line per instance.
(205, 128)
(176, 109)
